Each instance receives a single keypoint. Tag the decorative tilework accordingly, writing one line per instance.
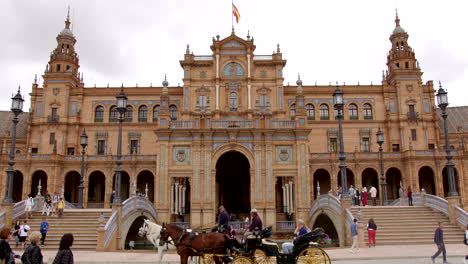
(196, 176)
(162, 173)
(207, 176)
(217, 145)
(248, 145)
(303, 173)
(269, 176)
(284, 154)
(181, 155)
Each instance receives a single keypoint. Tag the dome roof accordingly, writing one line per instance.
(66, 32)
(398, 29)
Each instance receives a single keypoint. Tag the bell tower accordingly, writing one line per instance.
(401, 58)
(64, 60)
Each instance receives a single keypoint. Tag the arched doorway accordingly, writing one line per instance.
(326, 223)
(124, 185)
(370, 178)
(426, 180)
(322, 178)
(144, 179)
(233, 183)
(72, 181)
(445, 181)
(17, 186)
(393, 176)
(132, 235)
(349, 178)
(38, 177)
(96, 189)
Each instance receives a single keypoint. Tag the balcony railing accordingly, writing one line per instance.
(413, 116)
(283, 124)
(52, 119)
(232, 124)
(183, 124)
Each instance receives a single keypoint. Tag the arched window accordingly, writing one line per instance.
(292, 111)
(368, 112)
(353, 112)
(143, 114)
(155, 113)
(129, 114)
(324, 113)
(113, 114)
(233, 102)
(99, 114)
(310, 112)
(233, 70)
(173, 112)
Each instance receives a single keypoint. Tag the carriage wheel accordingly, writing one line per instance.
(260, 257)
(242, 260)
(313, 256)
(206, 259)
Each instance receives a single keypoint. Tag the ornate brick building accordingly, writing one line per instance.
(233, 134)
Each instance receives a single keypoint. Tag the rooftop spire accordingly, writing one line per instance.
(397, 20)
(67, 22)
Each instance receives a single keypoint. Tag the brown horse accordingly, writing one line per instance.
(193, 244)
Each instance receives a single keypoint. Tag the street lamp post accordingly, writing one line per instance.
(16, 108)
(83, 143)
(121, 107)
(338, 103)
(442, 101)
(383, 181)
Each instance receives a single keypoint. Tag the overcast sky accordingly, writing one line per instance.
(140, 41)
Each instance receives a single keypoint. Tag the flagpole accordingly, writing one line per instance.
(232, 15)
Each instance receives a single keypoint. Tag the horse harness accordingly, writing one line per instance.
(192, 235)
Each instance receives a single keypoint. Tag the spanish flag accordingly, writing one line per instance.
(235, 12)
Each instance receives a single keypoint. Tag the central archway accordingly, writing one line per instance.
(233, 183)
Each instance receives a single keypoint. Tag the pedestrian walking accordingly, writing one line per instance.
(6, 254)
(112, 197)
(28, 205)
(364, 196)
(402, 195)
(65, 255)
(354, 236)
(47, 206)
(409, 193)
(439, 241)
(357, 195)
(371, 232)
(44, 229)
(33, 253)
(373, 193)
(55, 200)
(60, 207)
(23, 233)
(351, 194)
(16, 232)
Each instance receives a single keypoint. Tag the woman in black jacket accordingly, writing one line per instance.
(65, 255)
(33, 253)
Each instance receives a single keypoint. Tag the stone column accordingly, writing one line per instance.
(100, 234)
(8, 209)
(361, 230)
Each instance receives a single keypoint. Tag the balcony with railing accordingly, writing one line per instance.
(283, 124)
(232, 124)
(183, 124)
(52, 119)
(413, 116)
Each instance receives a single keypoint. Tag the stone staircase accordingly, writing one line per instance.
(397, 225)
(82, 223)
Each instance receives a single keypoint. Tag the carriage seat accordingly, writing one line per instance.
(270, 247)
(313, 243)
(269, 242)
(251, 237)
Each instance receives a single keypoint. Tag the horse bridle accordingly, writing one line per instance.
(167, 241)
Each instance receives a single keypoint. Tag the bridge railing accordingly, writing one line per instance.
(129, 206)
(239, 225)
(285, 225)
(327, 201)
(462, 216)
(110, 228)
(2, 219)
(18, 208)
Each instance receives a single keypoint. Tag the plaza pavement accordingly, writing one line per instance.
(397, 254)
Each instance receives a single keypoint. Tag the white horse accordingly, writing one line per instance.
(152, 231)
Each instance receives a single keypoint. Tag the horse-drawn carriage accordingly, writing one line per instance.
(217, 247)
